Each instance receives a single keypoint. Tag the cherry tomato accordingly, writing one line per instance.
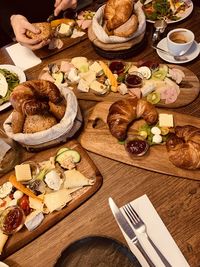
(24, 204)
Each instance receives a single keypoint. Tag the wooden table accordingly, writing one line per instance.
(177, 200)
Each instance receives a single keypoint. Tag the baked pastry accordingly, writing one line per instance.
(37, 123)
(117, 13)
(58, 110)
(17, 121)
(32, 97)
(128, 28)
(125, 111)
(183, 147)
(45, 31)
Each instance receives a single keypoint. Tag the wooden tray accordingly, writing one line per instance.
(67, 42)
(87, 167)
(189, 89)
(97, 138)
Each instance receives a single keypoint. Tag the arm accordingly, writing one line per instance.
(61, 5)
(20, 24)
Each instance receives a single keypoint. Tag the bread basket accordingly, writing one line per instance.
(55, 135)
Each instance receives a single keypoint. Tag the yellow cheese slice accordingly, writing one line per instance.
(74, 178)
(57, 200)
(36, 204)
(23, 172)
(3, 239)
(166, 120)
(110, 76)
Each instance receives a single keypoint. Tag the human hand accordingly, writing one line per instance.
(63, 5)
(20, 25)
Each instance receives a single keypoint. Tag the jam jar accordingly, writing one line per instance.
(136, 145)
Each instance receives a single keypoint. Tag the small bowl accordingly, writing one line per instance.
(117, 67)
(14, 216)
(136, 146)
(134, 79)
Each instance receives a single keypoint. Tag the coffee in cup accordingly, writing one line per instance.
(179, 41)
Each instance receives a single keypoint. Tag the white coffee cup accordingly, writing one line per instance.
(179, 41)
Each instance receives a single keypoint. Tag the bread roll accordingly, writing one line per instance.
(45, 31)
(128, 28)
(37, 123)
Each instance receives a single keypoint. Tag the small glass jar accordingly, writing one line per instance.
(12, 220)
(134, 79)
(136, 146)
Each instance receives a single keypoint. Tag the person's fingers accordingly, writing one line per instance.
(57, 2)
(36, 46)
(57, 10)
(30, 27)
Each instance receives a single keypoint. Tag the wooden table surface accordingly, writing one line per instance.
(177, 200)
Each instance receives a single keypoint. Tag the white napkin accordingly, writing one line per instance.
(23, 57)
(158, 233)
(4, 149)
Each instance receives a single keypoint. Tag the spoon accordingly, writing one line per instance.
(180, 57)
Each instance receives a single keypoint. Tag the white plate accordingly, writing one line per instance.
(192, 53)
(22, 78)
(182, 15)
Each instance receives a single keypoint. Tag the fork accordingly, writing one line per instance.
(140, 226)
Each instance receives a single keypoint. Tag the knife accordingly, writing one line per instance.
(121, 220)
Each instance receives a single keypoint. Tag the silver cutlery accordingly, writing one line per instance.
(140, 226)
(121, 220)
(180, 57)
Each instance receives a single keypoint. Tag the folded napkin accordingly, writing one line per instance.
(158, 233)
(23, 57)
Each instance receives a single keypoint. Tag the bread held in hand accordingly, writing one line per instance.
(45, 31)
(183, 147)
(123, 112)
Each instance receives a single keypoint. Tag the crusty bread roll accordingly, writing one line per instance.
(184, 147)
(17, 121)
(128, 28)
(117, 12)
(125, 111)
(37, 123)
(58, 110)
(45, 31)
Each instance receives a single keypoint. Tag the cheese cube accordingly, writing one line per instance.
(96, 67)
(166, 120)
(23, 172)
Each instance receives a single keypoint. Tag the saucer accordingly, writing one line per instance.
(191, 54)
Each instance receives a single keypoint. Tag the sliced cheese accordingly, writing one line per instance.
(74, 178)
(98, 87)
(88, 76)
(96, 67)
(23, 172)
(83, 86)
(57, 200)
(34, 219)
(36, 204)
(166, 120)
(3, 239)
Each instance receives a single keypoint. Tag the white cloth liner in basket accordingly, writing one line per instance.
(67, 127)
(97, 26)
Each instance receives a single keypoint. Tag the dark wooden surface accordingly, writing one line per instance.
(176, 200)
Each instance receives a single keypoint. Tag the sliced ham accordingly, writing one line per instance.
(55, 43)
(135, 92)
(171, 96)
(172, 84)
(65, 66)
(47, 77)
(86, 23)
(177, 75)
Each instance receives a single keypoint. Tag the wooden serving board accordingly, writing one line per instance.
(97, 138)
(85, 166)
(45, 52)
(189, 89)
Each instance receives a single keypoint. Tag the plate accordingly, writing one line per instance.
(21, 75)
(97, 251)
(182, 15)
(191, 54)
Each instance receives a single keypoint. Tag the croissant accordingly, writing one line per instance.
(125, 111)
(183, 147)
(117, 12)
(32, 97)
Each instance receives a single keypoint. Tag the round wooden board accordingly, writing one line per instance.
(97, 138)
(189, 89)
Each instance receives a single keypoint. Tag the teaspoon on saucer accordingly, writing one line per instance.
(180, 57)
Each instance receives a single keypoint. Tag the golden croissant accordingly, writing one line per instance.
(125, 111)
(184, 147)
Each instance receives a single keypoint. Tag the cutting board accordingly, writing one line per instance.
(189, 89)
(96, 137)
(85, 166)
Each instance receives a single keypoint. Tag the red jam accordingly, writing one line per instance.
(12, 220)
(133, 80)
(117, 67)
(136, 146)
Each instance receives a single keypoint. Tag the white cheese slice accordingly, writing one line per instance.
(36, 204)
(166, 120)
(3, 85)
(147, 88)
(52, 179)
(98, 87)
(74, 178)
(33, 220)
(88, 76)
(57, 200)
(83, 86)
(3, 239)
(23, 172)
(96, 67)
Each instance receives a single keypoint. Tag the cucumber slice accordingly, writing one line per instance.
(58, 77)
(63, 149)
(76, 157)
(160, 74)
(153, 98)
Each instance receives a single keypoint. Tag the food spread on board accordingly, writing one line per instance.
(165, 9)
(40, 188)
(156, 82)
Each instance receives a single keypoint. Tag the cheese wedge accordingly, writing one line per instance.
(23, 172)
(36, 204)
(74, 178)
(57, 200)
(33, 220)
(3, 239)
